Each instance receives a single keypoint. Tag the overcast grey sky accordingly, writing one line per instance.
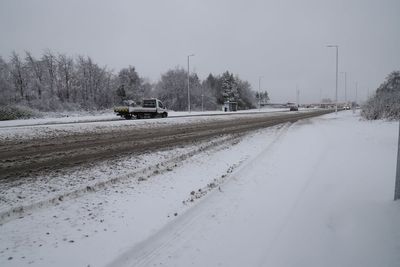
(283, 41)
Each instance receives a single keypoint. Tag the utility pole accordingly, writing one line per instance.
(320, 95)
(337, 68)
(397, 184)
(188, 77)
(202, 96)
(297, 96)
(259, 92)
(356, 92)
(345, 85)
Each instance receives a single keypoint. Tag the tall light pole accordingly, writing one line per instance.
(320, 95)
(259, 92)
(202, 99)
(337, 68)
(356, 92)
(188, 83)
(345, 85)
(397, 183)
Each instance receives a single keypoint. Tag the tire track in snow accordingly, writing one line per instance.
(17, 211)
(145, 252)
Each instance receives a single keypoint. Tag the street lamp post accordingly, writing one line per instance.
(356, 92)
(188, 83)
(259, 92)
(337, 68)
(297, 96)
(320, 95)
(397, 183)
(345, 85)
(202, 99)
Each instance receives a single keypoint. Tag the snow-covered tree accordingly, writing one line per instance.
(214, 85)
(262, 97)
(385, 103)
(19, 76)
(246, 98)
(65, 73)
(6, 91)
(172, 89)
(57, 82)
(229, 87)
(209, 92)
(50, 63)
(131, 83)
(92, 85)
(36, 69)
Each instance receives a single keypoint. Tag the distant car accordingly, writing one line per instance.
(294, 108)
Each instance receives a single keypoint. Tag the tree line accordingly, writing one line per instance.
(57, 82)
(385, 103)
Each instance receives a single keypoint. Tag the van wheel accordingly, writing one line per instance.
(128, 116)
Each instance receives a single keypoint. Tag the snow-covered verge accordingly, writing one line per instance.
(131, 207)
(385, 103)
(73, 117)
(47, 128)
(16, 112)
(51, 188)
(315, 193)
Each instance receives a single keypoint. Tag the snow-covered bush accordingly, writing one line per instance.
(17, 112)
(385, 104)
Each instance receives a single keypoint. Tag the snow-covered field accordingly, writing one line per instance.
(314, 193)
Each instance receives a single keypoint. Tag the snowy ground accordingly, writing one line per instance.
(51, 127)
(110, 116)
(315, 193)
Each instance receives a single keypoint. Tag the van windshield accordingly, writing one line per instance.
(151, 103)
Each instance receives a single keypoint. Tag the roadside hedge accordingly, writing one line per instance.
(16, 112)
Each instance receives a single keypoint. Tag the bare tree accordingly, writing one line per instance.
(65, 71)
(172, 89)
(59, 82)
(36, 68)
(6, 90)
(50, 63)
(18, 74)
(131, 83)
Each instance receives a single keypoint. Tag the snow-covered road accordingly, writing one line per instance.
(314, 193)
